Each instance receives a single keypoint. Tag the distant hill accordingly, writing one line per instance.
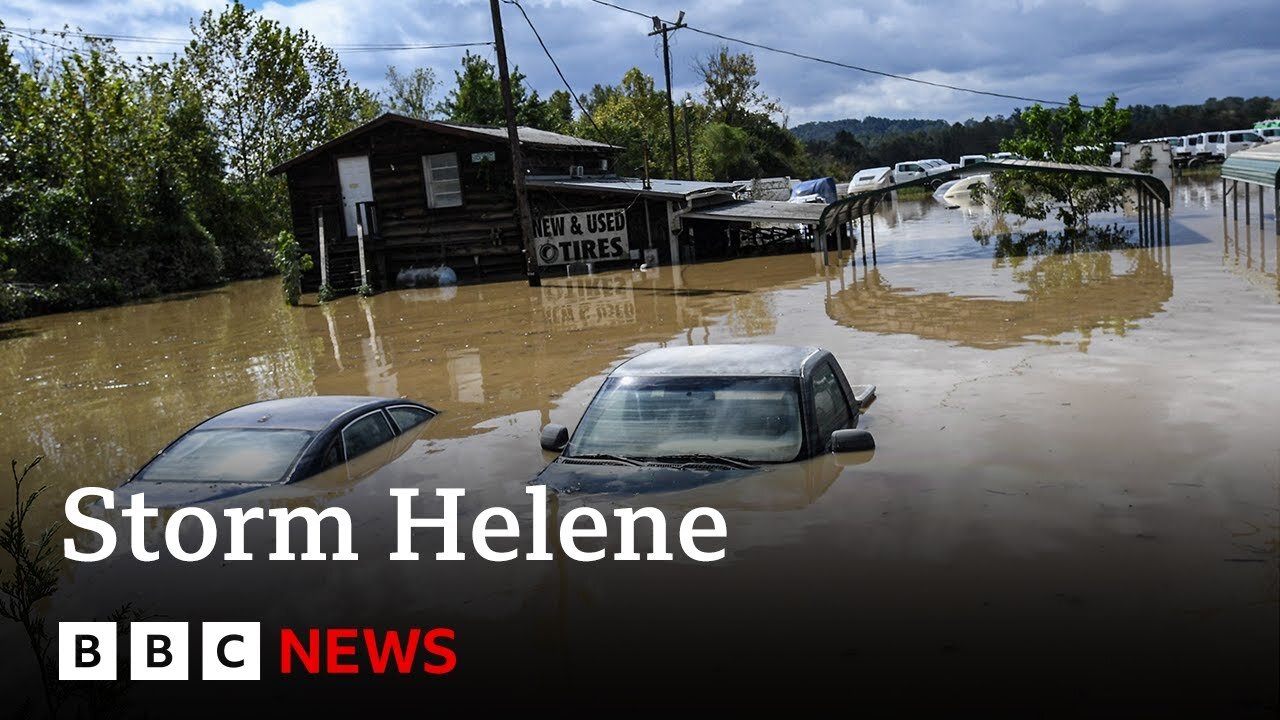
(869, 128)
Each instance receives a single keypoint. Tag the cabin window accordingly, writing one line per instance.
(444, 183)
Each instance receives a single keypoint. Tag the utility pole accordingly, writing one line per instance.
(664, 28)
(688, 144)
(517, 162)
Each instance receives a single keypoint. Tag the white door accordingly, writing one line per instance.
(353, 179)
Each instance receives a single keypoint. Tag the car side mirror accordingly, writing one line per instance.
(852, 447)
(846, 441)
(554, 437)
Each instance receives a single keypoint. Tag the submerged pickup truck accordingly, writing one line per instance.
(674, 418)
(916, 169)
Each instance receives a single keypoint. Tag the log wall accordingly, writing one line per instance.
(479, 238)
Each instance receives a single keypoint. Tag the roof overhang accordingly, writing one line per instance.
(1258, 166)
(529, 137)
(635, 187)
(761, 211)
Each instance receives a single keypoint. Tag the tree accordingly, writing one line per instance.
(476, 98)
(731, 88)
(559, 112)
(410, 94)
(1066, 135)
(724, 153)
(630, 115)
(271, 92)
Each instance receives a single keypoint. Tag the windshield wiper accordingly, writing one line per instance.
(704, 458)
(605, 456)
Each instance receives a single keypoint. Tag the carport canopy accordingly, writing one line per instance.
(863, 203)
(1257, 166)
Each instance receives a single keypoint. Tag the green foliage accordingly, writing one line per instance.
(476, 98)
(731, 88)
(33, 580)
(724, 151)
(325, 293)
(411, 94)
(1066, 135)
(365, 290)
(888, 141)
(290, 262)
(631, 114)
(558, 115)
(121, 180)
(270, 91)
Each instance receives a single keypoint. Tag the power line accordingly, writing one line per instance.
(556, 65)
(111, 57)
(848, 66)
(337, 47)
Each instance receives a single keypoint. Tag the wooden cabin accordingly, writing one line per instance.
(421, 193)
(417, 194)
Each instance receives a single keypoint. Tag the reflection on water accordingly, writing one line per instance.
(1245, 252)
(1077, 293)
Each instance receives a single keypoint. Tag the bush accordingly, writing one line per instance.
(291, 262)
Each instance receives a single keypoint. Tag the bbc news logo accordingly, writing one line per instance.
(233, 651)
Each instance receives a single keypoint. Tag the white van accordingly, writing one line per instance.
(1271, 134)
(967, 160)
(1194, 144)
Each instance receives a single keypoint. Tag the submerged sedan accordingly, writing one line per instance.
(673, 418)
(277, 442)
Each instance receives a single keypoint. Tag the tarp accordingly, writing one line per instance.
(822, 187)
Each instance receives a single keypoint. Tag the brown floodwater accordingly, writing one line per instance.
(1069, 446)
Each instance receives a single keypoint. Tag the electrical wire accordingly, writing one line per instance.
(847, 66)
(639, 192)
(559, 72)
(337, 47)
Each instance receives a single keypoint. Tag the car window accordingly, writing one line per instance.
(753, 418)
(830, 404)
(408, 416)
(239, 455)
(332, 454)
(366, 433)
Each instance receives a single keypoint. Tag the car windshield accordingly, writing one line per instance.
(749, 418)
(232, 455)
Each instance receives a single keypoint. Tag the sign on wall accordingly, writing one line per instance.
(580, 237)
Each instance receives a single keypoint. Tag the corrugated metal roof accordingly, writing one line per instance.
(760, 211)
(666, 189)
(530, 136)
(527, 135)
(1259, 165)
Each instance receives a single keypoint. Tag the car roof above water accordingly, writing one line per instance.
(763, 360)
(303, 413)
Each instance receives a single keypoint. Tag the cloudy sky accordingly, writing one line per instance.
(1144, 51)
